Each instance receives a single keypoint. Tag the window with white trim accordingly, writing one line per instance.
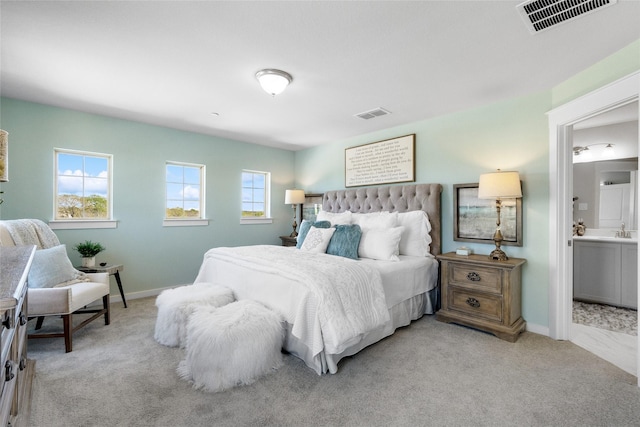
(256, 189)
(184, 191)
(82, 185)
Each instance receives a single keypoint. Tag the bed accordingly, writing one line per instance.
(334, 306)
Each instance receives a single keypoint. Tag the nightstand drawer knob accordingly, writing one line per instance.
(473, 302)
(473, 276)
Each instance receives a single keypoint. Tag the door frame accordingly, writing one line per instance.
(561, 120)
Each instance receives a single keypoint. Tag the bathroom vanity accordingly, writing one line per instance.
(605, 268)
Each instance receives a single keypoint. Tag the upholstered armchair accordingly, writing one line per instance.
(55, 287)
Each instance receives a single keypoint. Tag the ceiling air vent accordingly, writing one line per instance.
(373, 113)
(539, 15)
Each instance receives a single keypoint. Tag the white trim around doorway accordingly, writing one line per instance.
(561, 120)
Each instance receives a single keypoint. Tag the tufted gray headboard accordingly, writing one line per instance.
(392, 198)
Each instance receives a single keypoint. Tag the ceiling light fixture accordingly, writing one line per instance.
(608, 149)
(273, 81)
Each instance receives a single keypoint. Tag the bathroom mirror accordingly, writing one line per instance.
(618, 192)
(605, 165)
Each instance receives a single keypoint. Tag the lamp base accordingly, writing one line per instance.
(498, 255)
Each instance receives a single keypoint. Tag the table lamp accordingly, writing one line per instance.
(294, 197)
(499, 185)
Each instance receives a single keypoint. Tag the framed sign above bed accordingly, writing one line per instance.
(383, 162)
(475, 219)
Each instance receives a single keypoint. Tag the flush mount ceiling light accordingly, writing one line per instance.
(273, 81)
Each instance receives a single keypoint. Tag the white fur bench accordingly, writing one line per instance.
(232, 345)
(176, 305)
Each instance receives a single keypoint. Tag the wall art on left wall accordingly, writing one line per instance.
(4, 155)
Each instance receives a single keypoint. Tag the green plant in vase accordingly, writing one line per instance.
(88, 250)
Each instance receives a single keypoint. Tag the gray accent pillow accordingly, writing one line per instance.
(345, 241)
(50, 267)
(306, 226)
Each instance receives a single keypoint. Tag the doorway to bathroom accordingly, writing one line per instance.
(561, 125)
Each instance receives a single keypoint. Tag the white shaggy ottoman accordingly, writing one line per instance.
(231, 345)
(176, 305)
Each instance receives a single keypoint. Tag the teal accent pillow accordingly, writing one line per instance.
(50, 267)
(306, 226)
(345, 241)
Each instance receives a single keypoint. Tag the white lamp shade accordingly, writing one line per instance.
(273, 81)
(499, 185)
(294, 197)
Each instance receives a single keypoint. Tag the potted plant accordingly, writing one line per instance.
(88, 250)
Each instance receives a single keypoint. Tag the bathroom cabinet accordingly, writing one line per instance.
(606, 272)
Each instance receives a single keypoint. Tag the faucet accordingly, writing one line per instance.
(622, 233)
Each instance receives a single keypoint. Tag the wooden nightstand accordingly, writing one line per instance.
(288, 241)
(482, 293)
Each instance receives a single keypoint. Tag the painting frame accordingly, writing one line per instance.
(475, 219)
(390, 161)
(4, 156)
(311, 206)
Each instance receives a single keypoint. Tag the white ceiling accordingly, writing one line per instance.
(174, 63)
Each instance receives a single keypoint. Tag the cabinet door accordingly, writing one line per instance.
(596, 272)
(629, 286)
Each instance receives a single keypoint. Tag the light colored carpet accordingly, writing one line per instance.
(429, 373)
(607, 317)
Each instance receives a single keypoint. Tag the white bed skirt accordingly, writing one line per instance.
(400, 315)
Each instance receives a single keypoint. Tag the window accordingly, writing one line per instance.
(83, 186)
(184, 191)
(255, 195)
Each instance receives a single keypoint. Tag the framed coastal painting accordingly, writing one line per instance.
(475, 219)
(312, 205)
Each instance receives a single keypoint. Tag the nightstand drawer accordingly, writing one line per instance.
(482, 293)
(477, 277)
(480, 305)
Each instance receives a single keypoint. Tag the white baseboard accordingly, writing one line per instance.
(537, 329)
(142, 294)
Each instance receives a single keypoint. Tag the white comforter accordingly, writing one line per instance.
(334, 302)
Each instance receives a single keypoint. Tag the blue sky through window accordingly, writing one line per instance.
(81, 175)
(183, 187)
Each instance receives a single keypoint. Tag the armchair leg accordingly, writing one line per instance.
(66, 320)
(39, 322)
(105, 304)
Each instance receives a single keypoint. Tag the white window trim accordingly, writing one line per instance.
(187, 222)
(256, 221)
(266, 219)
(177, 222)
(84, 222)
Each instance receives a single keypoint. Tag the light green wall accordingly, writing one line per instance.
(451, 149)
(154, 256)
(617, 65)
(457, 148)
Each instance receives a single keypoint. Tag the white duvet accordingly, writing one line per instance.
(331, 302)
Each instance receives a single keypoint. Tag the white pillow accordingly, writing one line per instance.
(375, 220)
(381, 244)
(415, 240)
(317, 240)
(51, 267)
(342, 218)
